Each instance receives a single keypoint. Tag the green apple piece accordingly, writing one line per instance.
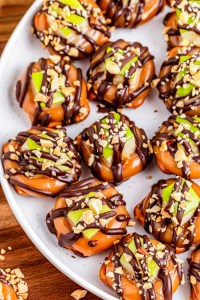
(193, 145)
(184, 58)
(32, 145)
(75, 19)
(89, 233)
(128, 66)
(58, 98)
(73, 3)
(184, 121)
(129, 134)
(107, 152)
(63, 168)
(132, 246)
(65, 31)
(76, 215)
(183, 92)
(90, 195)
(37, 78)
(105, 209)
(43, 135)
(191, 206)
(153, 268)
(126, 266)
(166, 193)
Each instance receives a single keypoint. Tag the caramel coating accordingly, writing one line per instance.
(111, 225)
(127, 286)
(121, 166)
(120, 74)
(48, 24)
(32, 176)
(180, 236)
(60, 77)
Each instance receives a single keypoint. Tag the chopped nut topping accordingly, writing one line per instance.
(73, 52)
(95, 205)
(88, 217)
(46, 143)
(67, 91)
(112, 67)
(41, 98)
(193, 279)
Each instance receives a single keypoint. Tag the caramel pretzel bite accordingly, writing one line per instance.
(194, 274)
(114, 148)
(179, 79)
(171, 212)
(88, 217)
(120, 74)
(74, 28)
(7, 291)
(183, 23)
(53, 92)
(130, 13)
(176, 145)
(140, 268)
(41, 161)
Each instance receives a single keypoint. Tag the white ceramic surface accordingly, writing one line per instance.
(23, 48)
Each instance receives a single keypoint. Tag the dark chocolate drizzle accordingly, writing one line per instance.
(82, 189)
(172, 140)
(159, 222)
(141, 275)
(117, 163)
(99, 26)
(41, 117)
(28, 162)
(123, 95)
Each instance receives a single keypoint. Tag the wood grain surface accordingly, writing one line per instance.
(45, 282)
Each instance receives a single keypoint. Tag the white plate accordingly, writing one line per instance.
(23, 48)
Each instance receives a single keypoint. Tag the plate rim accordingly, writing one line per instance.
(12, 201)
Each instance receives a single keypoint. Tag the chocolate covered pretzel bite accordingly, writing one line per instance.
(130, 13)
(194, 274)
(114, 148)
(74, 28)
(179, 80)
(140, 268)
(171, 212)
(176, 145)
(88, 217)
(182, 24)
(120, 74)
(41, 161)
(53, 92)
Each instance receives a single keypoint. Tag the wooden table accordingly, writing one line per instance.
(45, 281)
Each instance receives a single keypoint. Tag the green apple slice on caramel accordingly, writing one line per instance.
(153, 267)
(191, 204)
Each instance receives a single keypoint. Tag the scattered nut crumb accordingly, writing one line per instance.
(79, 294)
